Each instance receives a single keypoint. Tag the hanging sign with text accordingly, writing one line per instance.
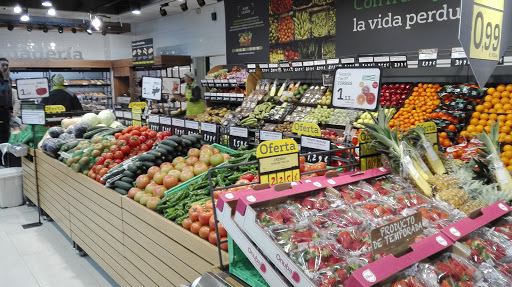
(357, 88)
(397, 235)
(32, 88)
(278, 161)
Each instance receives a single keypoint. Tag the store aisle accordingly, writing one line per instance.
(42, 256)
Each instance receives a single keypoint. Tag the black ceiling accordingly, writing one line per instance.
(114, 7)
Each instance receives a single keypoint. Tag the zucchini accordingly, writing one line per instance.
(169, 143)
(128, 173)
(89, 135)
(60, 145)
(166, 147)
(123, 185)
(148, 164)
(131, 167)
(158, 162)
(155, 153)
(109, 132)
(69, 145)
(197, 136)
(146, 157)
(187, 143)
(115, 173)
(189, 138)
(127, 179)
(161, 151)
(121, 191)
(175, 139)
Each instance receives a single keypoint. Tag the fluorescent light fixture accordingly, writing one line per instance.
(17, 9)
(25, 17)
(136, 9)
(51, 11)
(96, 23)
(46, 3)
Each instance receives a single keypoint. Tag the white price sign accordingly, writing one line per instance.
(32, 88)
(238, 132)
(207, 127)
(357, 88)
(270, 136)
(33, 114)
(152, 88)
(178, 122)
(192, 125)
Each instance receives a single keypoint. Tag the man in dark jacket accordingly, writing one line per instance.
(59, 95)
(6, 102)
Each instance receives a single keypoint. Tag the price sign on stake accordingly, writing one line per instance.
(398, 61)
(154, 122)
(430, 129)
(32, 88)
(178, 127)
(459, 57)
(32, 114)
(308, 144)
(209, 133)
(136, 117)
(397, 235)
(270, 136)
(484, 32)
(166, 124)
(357, 88)
(278, 161)
(238, 137)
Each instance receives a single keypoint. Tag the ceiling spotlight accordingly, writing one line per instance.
(136, 9)
(46, 3)
(163, 12)
(17, 9)
(73, 30)
(24, 16)
(184, 6)
(89, 30)
(104, 32)
(201, 3)
(45, 29)
(96, 23)
(51, 11)
(29, 28)
(60, 29)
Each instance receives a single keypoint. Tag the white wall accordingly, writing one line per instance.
(186, 33)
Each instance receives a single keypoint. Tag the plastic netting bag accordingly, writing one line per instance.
(336, 218)
(388, 184)
(294, 238)
(318, 256)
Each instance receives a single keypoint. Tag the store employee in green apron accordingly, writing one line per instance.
(195, 104)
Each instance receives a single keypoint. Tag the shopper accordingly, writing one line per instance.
(59, 95)
(6, 101)
(195, 104)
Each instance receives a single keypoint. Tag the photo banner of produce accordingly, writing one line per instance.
(246, 31)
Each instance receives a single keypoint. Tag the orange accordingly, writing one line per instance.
(471, 129)
(482, 122)
(500, 88)
(476, 115)
(443, 135)
(501, 137)
(507, 106)
(509, 88)
(502, 118)
(508, 123)
(491, 91)
(507, 139)
(505, 161)
(495, 101)
(479, 129)
(463, 133)
(487, 105)
(507, 154)
(484, 116)
(505, 100)
(490, 122)
(505, 94)
(492, 111)
(509, 117)
(488, 98)
(500, 111)
(509, 168)
(493, 116)
(496, 95)
(505, 129)
(498, 106)
(479, 108)
(507, 148)
(487, 129)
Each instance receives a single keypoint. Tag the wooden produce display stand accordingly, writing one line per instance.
(134, 245)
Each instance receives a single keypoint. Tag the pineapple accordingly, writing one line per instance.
(454, 196)
(442, 182)
(472, 205)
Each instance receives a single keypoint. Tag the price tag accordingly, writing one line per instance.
(32, 88)
(297, 67)
(238, 137)
(309, 66)
(278, 165)
(459, 57)
(327, 79)
(382, 61)
(369, 157)
(233, 83)
(427, 58)
(348, 62)
(264, 68)
(332, 64)
(166, 124)
(396, 235)
(178, 127)
(320, 65)
(136, 117)
(486, 30)
(192, 127)
(53, 109)
(357, 88)
(308, 145)
(127, 117)
(33, 114)
(270, 136)
(152, 88)
(119, 114)
(209, 132)
(274, 68)
(211, 83)
(207, 96)
(204, 83)
(251, 68)
(398, 61)
(154, 122)
(366, 62)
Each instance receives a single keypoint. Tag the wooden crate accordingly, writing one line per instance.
(29, 176)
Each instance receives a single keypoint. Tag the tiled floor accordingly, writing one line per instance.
(42, 256)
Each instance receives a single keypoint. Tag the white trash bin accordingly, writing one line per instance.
(11, 187)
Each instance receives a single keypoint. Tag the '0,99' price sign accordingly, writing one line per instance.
(278, 161)
(178, 127)
(209, 132)
(238, 137)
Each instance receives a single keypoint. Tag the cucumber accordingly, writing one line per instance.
(155, 153)
(121, 191)
(128, 173)
(146, 157)
(161, 150)
(187, 143)
(148, 164)
(89, 135)
(166, 147)
(60, 145)
(189, 138)
(197, 136)
(131, 167)
(109, 132)
(69, 145)
(123, 185)
(115, 173)
(169, 143)
(175, 139)
(94, 128)
(128, 180)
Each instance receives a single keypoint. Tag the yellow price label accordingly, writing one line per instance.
(280, 162)
(139, 105)
(136, 123)
(277, 147)
(136, 110)
(486, 30)
(371, 162)
(52, 109)
(280, 177)
(306, 129)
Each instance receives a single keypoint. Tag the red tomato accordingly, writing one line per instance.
(126, 149)
(118, 161)
(133, 142)
(125, 137)
(208, 204)
(143, 139)
(103, 171)
(194, 211)
(204, 217)
(117, 135)
(135, 133)
(224, 246)
(144, 147)
(98, 178)
(302, 160)
(204, 232)
(100, 160)
(212, 222)
(217, 193)
(144, 128)
(122, 143)
(194, 227)
(150, 143)
(152, 134)
(109, 155)
(137, 128)
(186, 223)
(98, 168)
(212, 237)
(114, 149)
(222, 230)
(93, 175)
(144, 134)
(118, 155)
(166, 133)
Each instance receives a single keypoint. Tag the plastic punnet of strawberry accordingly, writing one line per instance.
(406, 199)
(485, 245)
(336, 218)
(286, 213)
(293, 238)
(338, 274)
(435, 213)
(407, 278)
(377, 209)
(355, 240)
(389, 184)
(495, 276)
(504, 226)
(450, 270)
(318, 256)
(319, 201)
(354, 193)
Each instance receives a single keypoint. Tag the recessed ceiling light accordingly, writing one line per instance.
(46, 3)
(51, 11)
(136, 9)
(96, 22)
(17, 9)
(25, 17)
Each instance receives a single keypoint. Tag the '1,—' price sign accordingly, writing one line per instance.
(278, 161)
(427, 58)
(178, 127)
(210, 133)
(192, 127)
(310, 145)
(238, 137)
(166, 124)
(154, 122)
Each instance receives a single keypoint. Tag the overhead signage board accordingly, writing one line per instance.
(278, 161)
(32, 88)
(152, 88)
(484, 33)
(357, 88)
(143, 52)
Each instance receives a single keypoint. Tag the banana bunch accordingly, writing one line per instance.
(257, 114)
(302, 25)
